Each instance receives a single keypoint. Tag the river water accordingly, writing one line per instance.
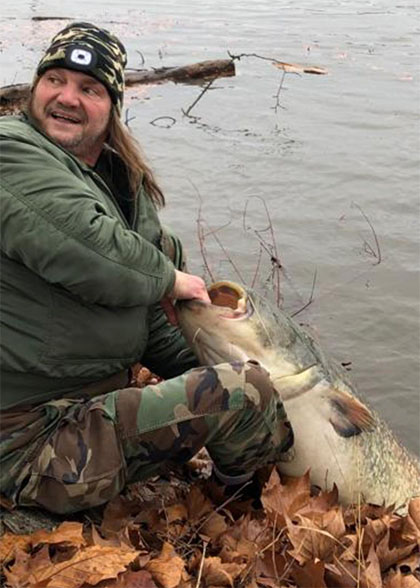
(324, 166)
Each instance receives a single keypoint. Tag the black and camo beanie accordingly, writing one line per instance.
(84, 47)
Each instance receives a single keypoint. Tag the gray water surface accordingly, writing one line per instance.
(336, 165)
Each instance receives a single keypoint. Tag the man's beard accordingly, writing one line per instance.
(79, 144)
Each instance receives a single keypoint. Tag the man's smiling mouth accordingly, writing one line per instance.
(66, 118)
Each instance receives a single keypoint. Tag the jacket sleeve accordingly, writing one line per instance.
(167, 354)
(55, 225)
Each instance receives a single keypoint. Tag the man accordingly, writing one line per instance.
(87, 272)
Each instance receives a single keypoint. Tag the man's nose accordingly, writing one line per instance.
(69, 95)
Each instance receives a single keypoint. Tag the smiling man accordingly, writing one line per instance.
(74, 110)
(88, 279)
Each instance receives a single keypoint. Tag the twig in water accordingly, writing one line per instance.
(367, 246)
(271, 249)
(167, 126)
(213, 232)
(128, 118)
(287, 67)
(311, 297)
(143, 61)
(201, 236)
(277, 96)
(206, 87)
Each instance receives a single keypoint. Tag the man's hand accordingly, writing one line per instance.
(186, 286)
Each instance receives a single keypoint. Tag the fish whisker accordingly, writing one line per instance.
(196, 335)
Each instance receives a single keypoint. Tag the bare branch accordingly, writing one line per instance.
(287, 67)
(367, 246)
(270, 248)
(171, 120)
(311, 296)
(206, 87)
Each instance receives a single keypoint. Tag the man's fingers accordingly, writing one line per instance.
(188, 286)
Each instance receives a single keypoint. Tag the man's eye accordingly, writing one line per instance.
(90, 91)
(53, 80)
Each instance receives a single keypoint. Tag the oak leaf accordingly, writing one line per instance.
(87, 566)
(398, 580)
(310, 574)
(167, 569)
(414, 511)
(271, 565)
(139, 579)
(67, 532)
(316, 540)
(410, 564)
(372, 571)
(220, 574)
(214, 526)
(176, 512)
(281, 500)
(10, 544)
(387, 556)
(198, 505)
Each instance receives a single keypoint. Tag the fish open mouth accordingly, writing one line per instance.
(230, 295)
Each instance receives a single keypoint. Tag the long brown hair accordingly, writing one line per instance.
(122, 141)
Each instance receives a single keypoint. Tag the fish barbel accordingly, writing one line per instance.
(337, 436)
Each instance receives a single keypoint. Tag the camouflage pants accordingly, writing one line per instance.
(72, 454)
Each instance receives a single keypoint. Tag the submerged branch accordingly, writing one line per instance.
(287, 67)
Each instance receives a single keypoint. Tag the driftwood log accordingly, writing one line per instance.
(13, 97)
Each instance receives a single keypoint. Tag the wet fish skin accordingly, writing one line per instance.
(337, 436)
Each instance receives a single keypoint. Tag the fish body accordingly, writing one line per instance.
(337, 436)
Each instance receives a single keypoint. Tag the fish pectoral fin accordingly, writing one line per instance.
(349, 416)
(293, 385)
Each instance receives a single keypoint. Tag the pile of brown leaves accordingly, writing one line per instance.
(184, 540)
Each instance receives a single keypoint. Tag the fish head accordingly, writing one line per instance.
(235, 326)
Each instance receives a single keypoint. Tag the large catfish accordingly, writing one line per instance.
(337, 436)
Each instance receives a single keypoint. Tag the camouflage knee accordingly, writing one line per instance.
(256, 435)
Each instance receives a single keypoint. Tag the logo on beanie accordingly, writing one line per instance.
(82, 57)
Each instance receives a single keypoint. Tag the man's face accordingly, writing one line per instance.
(73, 109)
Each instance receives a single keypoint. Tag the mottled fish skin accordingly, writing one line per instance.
(337, 436)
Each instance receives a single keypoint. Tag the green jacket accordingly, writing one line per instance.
(79, 282)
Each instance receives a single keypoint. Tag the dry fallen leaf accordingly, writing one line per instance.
(89, 565)
(284, 499)
(220, 574)
(316, 538)
(414, 511)
(198, 504)
(10, 544)
(372, 571)
(214, 526)
(139, 579)
(318, 545)
(167, 569)
(67, 532)
(398, 580)
(310, 574)
(387, 556)
(296, 68)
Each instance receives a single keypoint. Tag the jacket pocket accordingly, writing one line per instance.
(81, 332)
